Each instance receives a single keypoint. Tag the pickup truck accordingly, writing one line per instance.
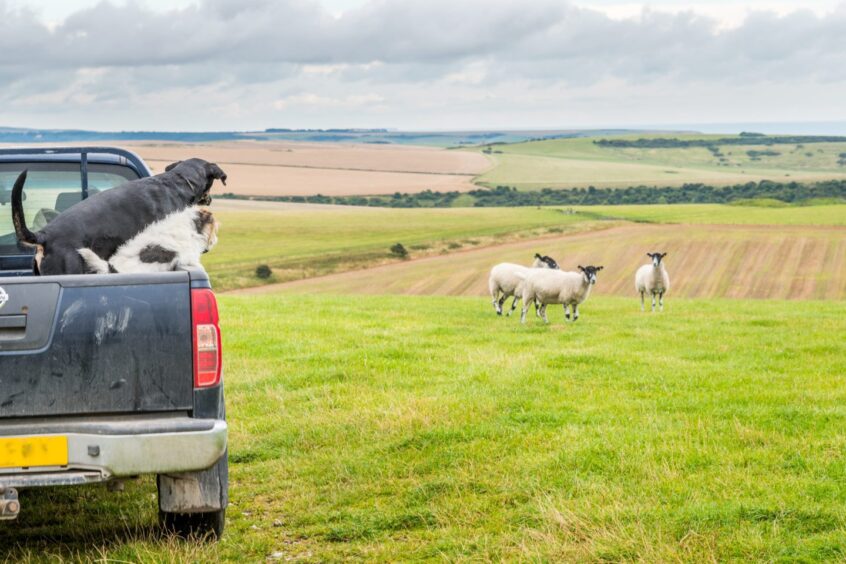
(106, 377)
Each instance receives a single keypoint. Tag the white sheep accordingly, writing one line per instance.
(555, 287)
(506, 278)
(653, 279)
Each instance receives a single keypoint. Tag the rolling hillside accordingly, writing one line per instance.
(564, 163)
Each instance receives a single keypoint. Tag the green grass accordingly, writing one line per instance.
(396, 428)
(301, 243)
(827, 214)
(579, 162)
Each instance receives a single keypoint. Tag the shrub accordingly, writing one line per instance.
(263, 271)
(399, 250)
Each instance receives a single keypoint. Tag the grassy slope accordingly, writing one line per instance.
(396, 428)
(578, 162)
(705, 261)
(297, 244)
(711, 214)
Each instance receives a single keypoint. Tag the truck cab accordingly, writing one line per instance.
(106, 377)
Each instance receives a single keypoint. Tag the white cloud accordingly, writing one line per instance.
(218, 64)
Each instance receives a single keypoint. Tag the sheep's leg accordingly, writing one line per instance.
(523, 311)
(575, 312)
(514, 304)
(543, 313)
(497, 303)
(661, 301)
(537, 308)
(642, 301)
(653, 301)
(566, 311)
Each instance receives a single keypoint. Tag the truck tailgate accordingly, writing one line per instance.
(117, 343)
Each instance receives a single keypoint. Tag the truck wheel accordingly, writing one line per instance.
(208, 525)
(194, 503)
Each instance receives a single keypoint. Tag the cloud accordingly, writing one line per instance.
(408, 61)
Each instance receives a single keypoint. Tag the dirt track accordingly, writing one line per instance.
(704, 261)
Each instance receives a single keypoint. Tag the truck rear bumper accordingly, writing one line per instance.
(120, 447)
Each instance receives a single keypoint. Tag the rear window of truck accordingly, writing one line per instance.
(50, 189)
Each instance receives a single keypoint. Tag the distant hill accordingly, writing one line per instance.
(375, 136)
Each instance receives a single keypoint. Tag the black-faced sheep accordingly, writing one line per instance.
(555, 287)
(653, 279)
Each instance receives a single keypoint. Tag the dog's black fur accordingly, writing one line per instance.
(105, 221)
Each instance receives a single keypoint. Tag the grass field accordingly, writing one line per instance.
(711, 214)
(563, 163)
(397, 428)
(298, 242)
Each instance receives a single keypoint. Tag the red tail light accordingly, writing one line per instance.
(207, 350)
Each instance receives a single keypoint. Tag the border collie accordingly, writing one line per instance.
(105, 221)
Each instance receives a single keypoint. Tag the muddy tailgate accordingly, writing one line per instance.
(95, 344)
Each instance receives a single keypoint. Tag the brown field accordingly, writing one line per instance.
(272, 168)
(704, 261)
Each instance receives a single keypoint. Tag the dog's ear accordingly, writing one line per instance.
(172, 166)
(214, 171)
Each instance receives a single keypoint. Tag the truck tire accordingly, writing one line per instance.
(206, 526)
(194, 503)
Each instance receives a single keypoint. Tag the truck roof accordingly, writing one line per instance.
(97, 155)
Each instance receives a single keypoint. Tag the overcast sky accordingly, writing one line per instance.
(418, 64)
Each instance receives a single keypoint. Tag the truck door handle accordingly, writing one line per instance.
(12, 326)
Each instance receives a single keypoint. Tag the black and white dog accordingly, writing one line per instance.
(105, 221)
(175, 241)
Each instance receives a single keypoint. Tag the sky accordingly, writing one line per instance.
(206, 65)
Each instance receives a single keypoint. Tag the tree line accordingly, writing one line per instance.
(747, 139)
(506, 196)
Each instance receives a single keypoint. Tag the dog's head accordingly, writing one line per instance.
(200, 175)
(208, 226)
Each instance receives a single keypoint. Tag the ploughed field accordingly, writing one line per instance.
(397, 427)
(704, 261)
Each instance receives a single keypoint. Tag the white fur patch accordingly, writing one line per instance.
(176, 233)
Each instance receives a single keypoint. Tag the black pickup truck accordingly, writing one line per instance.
(106, 377)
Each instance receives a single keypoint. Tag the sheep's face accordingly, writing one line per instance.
(589, 273)
(543, 261)
(656, 258)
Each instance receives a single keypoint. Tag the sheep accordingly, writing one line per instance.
(506, 277)
(555, 287)
(653, 279)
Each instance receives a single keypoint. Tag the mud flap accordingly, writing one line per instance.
(195, 492)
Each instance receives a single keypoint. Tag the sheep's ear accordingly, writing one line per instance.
(598, 268)
(537, 255)
(663, 255)
(582, 268)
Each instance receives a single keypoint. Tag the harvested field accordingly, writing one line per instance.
(705, 261)
(333, 169)
(302, 169)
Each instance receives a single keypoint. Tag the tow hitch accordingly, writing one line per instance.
(9, 504)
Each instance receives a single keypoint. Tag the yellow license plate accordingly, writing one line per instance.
(25, 452)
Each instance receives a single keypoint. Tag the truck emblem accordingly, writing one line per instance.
(4, 297)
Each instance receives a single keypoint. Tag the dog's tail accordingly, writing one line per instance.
(95, 264)
(21, 230)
